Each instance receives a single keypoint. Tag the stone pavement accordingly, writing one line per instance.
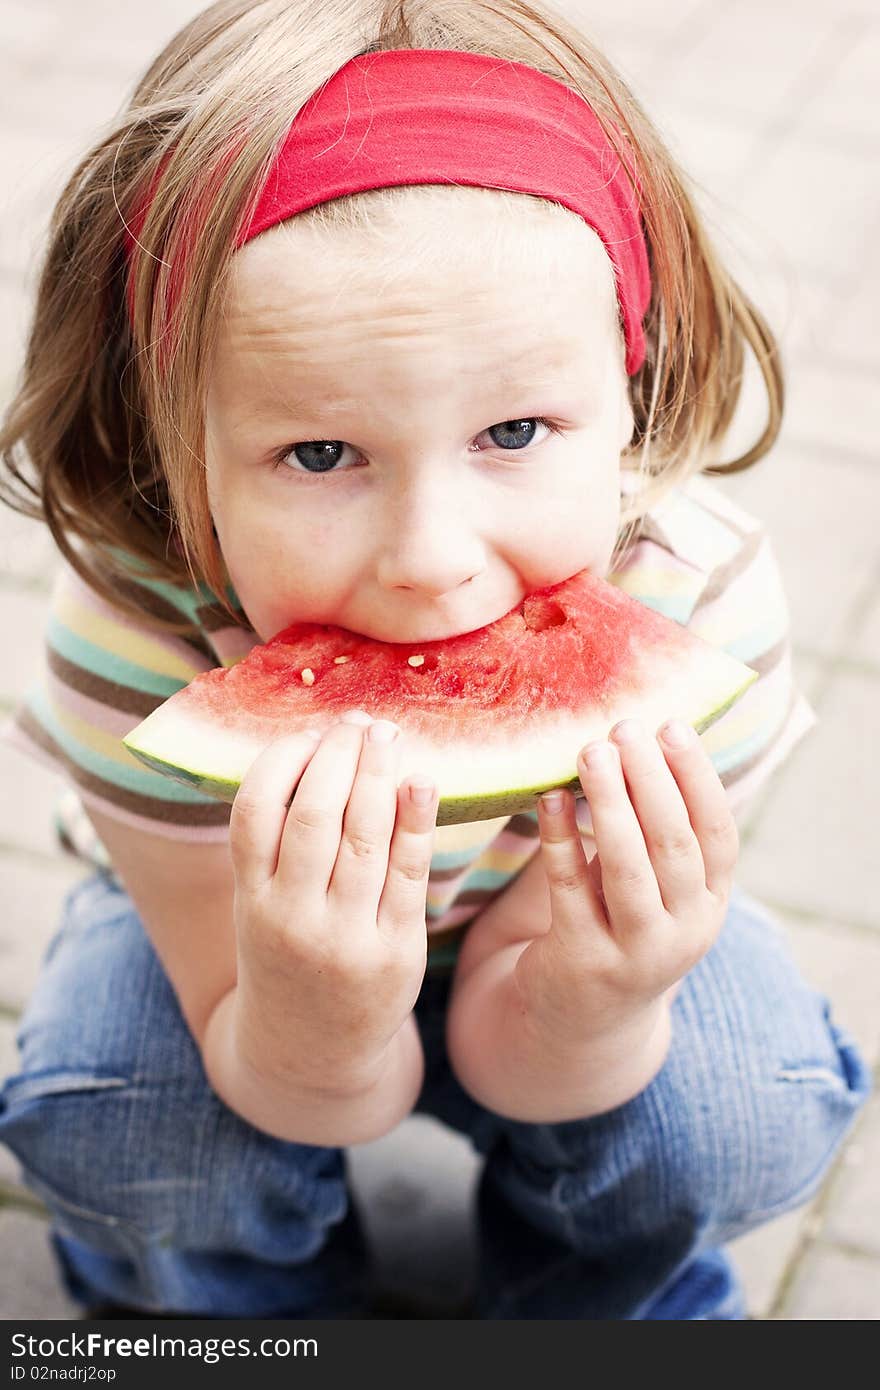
(772, 108)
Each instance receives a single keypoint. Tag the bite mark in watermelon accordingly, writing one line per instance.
(495, 716)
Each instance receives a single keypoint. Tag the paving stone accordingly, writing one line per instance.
(832, 409)
(30, 1286)
(866, 638)
(826, 544)
(714, 76)
(33, 170)
(8, 1064)
(14, 317)
(90, 100)
(10, 1177)
(852, 328)
(26, 817)
(23, 620)
(415, 1188)
(33, 892)
(712, 149)
(762, 1257)
(29, 29)
(852, 1216)
(802, 327)
(846, 101)
(110, 23)
(27, 551)
(780, 193)
(834, 1286)
(814, 846)
(8, 1049)
(641, 21)
(844, 965)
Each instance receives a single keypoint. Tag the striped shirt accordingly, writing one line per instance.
(699, 558)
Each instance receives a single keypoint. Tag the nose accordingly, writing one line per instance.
(430, 544)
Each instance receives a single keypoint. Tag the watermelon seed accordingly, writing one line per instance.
(338, 660)
(415, 661)
(307, 676)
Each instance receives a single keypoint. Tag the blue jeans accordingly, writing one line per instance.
(162, 1198)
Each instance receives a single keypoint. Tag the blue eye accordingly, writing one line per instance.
(514, 434)
(318, 456)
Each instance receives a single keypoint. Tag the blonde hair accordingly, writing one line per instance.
(104, 439)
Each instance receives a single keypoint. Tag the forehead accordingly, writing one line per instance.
(490, 287)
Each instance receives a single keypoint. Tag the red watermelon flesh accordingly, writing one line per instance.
(495, 716)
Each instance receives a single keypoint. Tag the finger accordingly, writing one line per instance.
(672, 846)
(574, 902)
(362, 860)
(313, 826)
(706, 800)
(629, 883)
(402, 905)
(260, 807)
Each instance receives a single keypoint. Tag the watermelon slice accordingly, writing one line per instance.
(495, 716)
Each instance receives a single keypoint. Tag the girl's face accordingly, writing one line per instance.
(408, 454)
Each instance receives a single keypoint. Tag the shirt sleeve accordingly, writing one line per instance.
(103, 673)
(743, 610)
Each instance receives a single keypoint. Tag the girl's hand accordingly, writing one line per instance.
(330, 888)
(629, 923)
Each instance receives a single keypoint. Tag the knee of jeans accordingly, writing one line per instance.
(725, 1150)
(118, 1161)
(111, 1114)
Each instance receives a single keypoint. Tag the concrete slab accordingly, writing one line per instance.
(27, 552)
(852, 1214)
(825, 545)
(33, 892)
(728, 72)
(844, 965)
(845, 103)
(781, 194)
(23, 623)
(416, 1188)
(833, 1286)
(866, 634)
(813, 852)
(30, 1288)
(26, 817)
(763, 1257)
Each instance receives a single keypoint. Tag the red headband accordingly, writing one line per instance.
(439, 116)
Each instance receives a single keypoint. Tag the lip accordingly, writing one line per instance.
(449, 636)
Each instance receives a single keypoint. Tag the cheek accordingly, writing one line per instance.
(282, 569)
(583, 527)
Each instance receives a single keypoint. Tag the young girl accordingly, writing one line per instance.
(385, 315)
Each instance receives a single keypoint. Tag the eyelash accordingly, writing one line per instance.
(279, 458)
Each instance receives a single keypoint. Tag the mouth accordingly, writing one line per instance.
(427, 635)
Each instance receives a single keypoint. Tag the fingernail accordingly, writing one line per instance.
(382, 731)
(552, 802)
(356, 716)
(677, 734)
(421, 793)
(597, 755)
(627, 731)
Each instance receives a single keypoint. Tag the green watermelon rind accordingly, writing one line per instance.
(452, 810)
